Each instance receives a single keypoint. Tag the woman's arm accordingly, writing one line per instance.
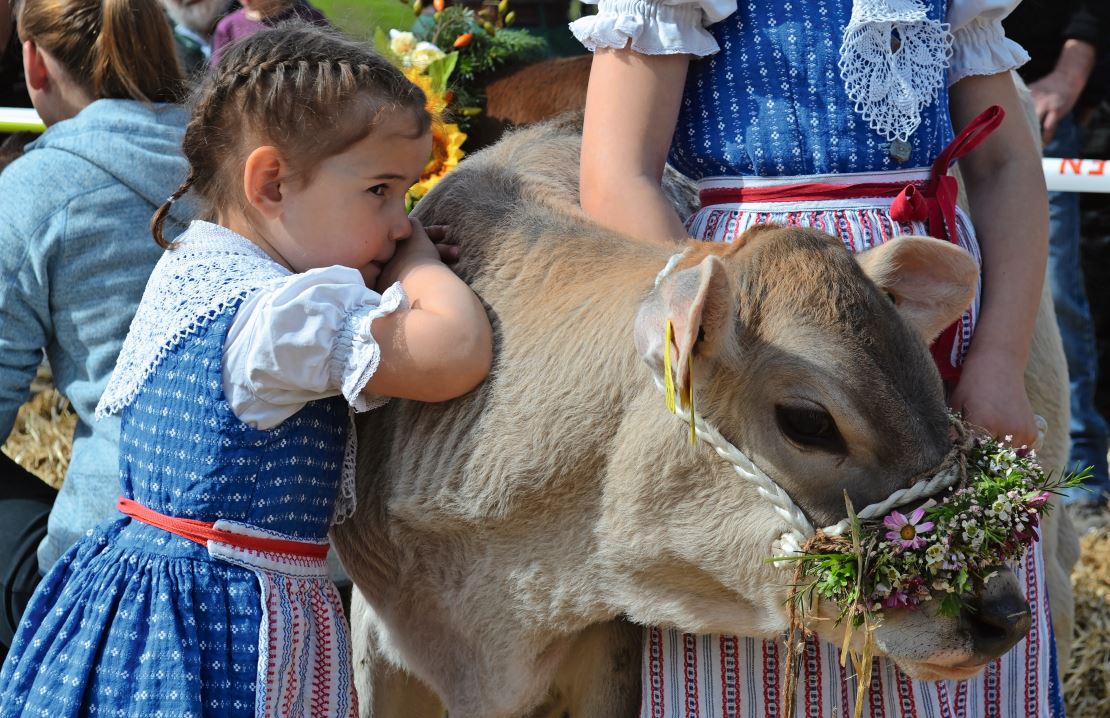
(1009, 208)
(631, 109)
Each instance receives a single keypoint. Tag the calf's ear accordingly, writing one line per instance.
(931, 281)
(700, 304)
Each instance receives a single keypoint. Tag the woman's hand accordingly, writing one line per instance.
(991, 394)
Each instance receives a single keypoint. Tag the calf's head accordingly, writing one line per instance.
(814, 363)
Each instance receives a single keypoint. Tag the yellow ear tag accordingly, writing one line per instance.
(668, 381)
(690, 399)
(668, 375)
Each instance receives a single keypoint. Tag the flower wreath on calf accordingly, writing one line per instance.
(939, 551)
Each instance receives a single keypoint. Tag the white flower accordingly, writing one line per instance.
(425, 54)
(972, 534)
(402, 43)
(934, 554)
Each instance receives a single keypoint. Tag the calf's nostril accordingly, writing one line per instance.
(996, 624)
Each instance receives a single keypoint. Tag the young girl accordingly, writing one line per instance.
(822, 113)
(209, 596)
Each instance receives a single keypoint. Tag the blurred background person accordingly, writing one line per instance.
(255, 15)
(75, 252)
(193, 22)
(1064, 39)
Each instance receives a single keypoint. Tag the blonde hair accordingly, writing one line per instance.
(120, 49)
(308, 91)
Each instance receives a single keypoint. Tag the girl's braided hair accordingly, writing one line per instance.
(308, 91)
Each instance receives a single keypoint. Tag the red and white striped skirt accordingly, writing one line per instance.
(688, 676)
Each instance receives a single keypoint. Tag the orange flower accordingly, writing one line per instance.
(439, 5)
(463, 40)
(447, 142)
(436, 102)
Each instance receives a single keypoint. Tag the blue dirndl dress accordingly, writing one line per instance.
(135, 621)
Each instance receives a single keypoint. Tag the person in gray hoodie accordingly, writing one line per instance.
(76, 251)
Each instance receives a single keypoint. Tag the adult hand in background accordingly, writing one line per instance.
(1056, 93)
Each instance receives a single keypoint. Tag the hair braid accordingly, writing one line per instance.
(158, 221)
(305, 90)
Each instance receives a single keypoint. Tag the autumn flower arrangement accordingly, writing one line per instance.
(939, 550)
(477, 42)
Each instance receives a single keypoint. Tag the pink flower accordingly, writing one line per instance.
(1038, 501)
(906, 532)
(896, 599)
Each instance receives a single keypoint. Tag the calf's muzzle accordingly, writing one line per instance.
(999, 618)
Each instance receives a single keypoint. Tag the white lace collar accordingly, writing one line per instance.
(891, 86)
(209, 268)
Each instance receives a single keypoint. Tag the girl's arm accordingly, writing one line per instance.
(441, 347)
(631, 110)
(1009, 208)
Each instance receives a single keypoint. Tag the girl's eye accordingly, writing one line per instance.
(378, 189)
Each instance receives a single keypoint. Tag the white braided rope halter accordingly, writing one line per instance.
(800, 528)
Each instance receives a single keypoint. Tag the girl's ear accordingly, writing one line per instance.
(34, 67)
(263, 174)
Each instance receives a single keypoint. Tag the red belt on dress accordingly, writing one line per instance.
(932, 201)
(202, 532)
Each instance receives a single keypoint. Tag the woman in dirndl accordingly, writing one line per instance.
(838, 115)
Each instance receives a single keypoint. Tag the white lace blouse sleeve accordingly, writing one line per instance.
(979, 44)
(654, 27)
(305, 337)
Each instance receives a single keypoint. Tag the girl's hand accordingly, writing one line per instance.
(448, 250)
(412, 252)
(991, 394)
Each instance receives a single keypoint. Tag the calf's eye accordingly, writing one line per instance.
(809, 426)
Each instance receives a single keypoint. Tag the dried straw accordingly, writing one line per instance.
(1087, 681)
(42, 434)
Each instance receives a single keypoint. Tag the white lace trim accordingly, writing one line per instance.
(652, 28)
(346, 500)
(354, 361)
(209, 269)
(356, 353)
(890, 87)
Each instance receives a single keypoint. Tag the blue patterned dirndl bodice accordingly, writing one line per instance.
(772, 101)
(136, 621)
(184, 453)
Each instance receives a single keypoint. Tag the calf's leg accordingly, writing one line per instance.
(600, 677)
(384, 689)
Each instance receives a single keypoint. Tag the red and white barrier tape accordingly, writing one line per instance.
(1076, 175)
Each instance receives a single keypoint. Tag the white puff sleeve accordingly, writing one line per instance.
(303, 338)
(979, 44)
(654, 27)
